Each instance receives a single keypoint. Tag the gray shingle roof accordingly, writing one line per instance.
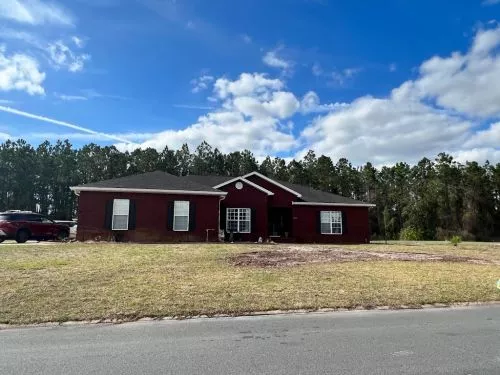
(308, 194)
(313, 195)
(208, 180)
(153, 180)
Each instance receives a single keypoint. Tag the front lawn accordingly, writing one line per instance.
(128, 281)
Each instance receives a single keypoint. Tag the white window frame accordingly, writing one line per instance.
(238, 210)
(175, 215)
(115, 201)
(334, 217)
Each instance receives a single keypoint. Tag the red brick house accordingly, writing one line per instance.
(160, 207)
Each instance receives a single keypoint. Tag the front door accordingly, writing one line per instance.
(280, 222)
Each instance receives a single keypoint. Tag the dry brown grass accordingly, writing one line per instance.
(129, 281)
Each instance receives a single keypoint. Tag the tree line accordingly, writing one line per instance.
(432, 200)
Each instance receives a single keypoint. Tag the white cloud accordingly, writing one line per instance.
(441, 110)
(311, 104)
(192, 106)
(246, 38)
(35, 12)
(87, 94)
(341, 77)
(335, 77)
(489, 137)
(21, 73)
(71, 98)
(250, 114)
(272, 59)
(350, 72)
(281, 105)
(58, 52)
(91, 137)
(407, 125)
(310, 101)
(317, 70)
(229, 131)
(490, 2)
(61, 123)
(247, 85)
(79, 42)
(480, 155)
(94, 94)
(62, 56)
(385, 131)
(201, 83)
(24, 36)
(4, 136)
(467, 83)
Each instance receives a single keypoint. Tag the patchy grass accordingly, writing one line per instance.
(128, 281)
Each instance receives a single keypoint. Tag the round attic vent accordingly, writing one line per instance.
(238, 185)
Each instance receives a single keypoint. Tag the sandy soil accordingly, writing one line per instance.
(297, 255)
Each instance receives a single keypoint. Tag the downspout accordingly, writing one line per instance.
(220, 200)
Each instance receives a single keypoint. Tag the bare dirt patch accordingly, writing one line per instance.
(288, 257)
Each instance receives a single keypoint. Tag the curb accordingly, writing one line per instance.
(96, 322)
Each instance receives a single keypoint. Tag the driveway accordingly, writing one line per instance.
(435, 341)
(29, 243)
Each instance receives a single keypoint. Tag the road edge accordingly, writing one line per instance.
(248, 314)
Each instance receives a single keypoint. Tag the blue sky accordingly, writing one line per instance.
(347, 79)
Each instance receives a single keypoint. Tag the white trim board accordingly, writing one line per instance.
(242, 179)
(333, 204)
(78, 189)
(272, 182)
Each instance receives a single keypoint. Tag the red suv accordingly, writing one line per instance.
(22, 226)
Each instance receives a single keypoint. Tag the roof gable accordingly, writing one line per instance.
(310, 195)
(305, 194)
(253, 184)
(274, 182)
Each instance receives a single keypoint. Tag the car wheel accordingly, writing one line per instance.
(22, 236)
(62, 235)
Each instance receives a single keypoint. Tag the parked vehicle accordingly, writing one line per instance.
(72, 224)
(24, 225)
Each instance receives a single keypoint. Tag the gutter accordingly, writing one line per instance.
(78, 189)
(333, 204)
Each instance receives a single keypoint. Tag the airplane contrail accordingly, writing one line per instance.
(61, 123)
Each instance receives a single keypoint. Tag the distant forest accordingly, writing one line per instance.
(432, 200)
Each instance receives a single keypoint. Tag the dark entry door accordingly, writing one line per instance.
(280, 222)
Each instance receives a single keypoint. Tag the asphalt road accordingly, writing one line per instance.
(456, 341)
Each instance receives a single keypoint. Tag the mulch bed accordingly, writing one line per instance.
(295, 257)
